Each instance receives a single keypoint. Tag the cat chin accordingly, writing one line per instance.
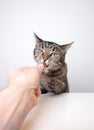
(46, 71)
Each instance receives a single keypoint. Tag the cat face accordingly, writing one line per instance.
(50, 53)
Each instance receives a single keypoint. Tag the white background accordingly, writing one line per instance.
(61, 21)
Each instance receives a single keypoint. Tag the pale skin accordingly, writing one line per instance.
(19, 96)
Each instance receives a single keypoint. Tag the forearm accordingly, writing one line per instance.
(14, 105)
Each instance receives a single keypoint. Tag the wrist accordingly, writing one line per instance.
(14, 108)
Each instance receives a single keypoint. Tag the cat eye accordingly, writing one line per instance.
(54, 54)
(39, 50)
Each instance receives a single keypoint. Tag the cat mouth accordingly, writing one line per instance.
(44, 62)
(45, 65)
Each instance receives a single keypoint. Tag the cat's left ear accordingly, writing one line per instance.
(66, 47)
(37, 39)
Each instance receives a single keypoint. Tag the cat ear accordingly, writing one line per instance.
(66, 47)
(38, 40)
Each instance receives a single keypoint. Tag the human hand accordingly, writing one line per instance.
(20, 96)
(28, 78)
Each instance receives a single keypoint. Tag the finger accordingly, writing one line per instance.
(38, 92)
(26, 68)
(40, 68)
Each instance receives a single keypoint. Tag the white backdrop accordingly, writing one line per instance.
(61, 21)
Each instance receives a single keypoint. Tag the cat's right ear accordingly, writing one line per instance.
(66, 47)
(37, 39)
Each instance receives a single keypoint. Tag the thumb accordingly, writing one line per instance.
(40, 68)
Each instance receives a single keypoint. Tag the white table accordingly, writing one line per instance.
(70, 111)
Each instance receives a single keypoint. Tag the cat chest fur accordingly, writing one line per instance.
(57, 84)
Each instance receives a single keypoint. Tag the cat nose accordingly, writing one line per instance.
(45, 57)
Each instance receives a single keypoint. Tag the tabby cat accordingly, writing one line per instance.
(54, 77)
